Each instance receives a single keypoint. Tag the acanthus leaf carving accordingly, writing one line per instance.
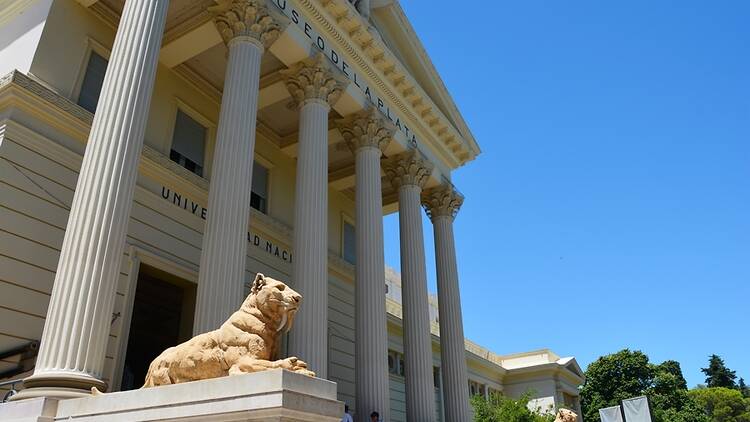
(408, 168)
(313, 79)
(442, 201)
(366, 129)
(249, 18)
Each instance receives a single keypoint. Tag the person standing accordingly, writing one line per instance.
(347, 417)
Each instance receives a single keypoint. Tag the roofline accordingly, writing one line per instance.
(443, 90)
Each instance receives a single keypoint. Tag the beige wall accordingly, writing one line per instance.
(40, 156)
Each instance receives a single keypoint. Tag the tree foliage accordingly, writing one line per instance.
(718, 375)
(723, 404)
(744, 389)
(498, 408)
(628, 374)
(613, 378)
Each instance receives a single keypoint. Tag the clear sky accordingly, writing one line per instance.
(610, 206)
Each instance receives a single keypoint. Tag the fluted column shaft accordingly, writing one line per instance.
(72, 351)
(408, 173)
(314, 88)
(371, 336)
(224, 253)
(309, 338)
(453, 355)
(420, 393)
(367, 134)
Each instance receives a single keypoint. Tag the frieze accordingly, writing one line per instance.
(337, 59)
(189, 205)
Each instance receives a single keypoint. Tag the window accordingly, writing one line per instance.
(188, 143)
(392, 359)
(349, 246)
(259, 190)
(476, 389)
(395, 363)
(436, 376)
(92, 83)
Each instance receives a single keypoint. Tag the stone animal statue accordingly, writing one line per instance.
(248, 341)
(565, 415)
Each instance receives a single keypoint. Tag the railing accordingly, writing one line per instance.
(12, 391)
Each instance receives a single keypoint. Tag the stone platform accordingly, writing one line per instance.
(276, 395)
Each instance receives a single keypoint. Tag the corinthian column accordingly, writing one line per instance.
(71, 355)
(442, 204)
(367, 135)
(408, 173)
(314, 88)
(247, 28)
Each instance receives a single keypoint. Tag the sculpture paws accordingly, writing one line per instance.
(304, 371)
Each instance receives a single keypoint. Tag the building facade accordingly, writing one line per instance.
(550, 381)
(155, 155)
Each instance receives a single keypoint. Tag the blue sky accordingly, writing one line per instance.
(610, 207)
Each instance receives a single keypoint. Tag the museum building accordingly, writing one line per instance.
(155, 155)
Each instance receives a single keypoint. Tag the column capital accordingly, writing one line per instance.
(313, 79)
(442, 201)
(366, 129)
(408, 168)
(245, 18)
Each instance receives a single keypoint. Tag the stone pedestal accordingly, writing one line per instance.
(276, 395)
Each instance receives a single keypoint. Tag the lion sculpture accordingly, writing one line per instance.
(248, 341)
(565, 415)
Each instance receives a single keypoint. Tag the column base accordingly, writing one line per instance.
(62, 386)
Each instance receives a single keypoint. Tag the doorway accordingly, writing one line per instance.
(162, 317)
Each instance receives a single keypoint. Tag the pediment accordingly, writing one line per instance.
(399, 35)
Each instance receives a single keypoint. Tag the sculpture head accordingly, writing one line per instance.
(565, 415)
(275, 300)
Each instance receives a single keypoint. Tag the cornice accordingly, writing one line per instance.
(21, 91)
(340, 20)
(13, 8)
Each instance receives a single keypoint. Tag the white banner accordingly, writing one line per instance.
(636, 410)
(611, 414)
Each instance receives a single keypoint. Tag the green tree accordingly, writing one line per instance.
(718, 375)
(722, 404)
(498, 408)
(612, 378)
(673, 367)
(744, 389)
(669, 396)
(628, 374)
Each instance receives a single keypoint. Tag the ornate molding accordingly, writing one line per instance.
(313, 79)
(343, 23)
(408, 168)
(442, 201)
(366, 129)
(363, 7)
(245, 18)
